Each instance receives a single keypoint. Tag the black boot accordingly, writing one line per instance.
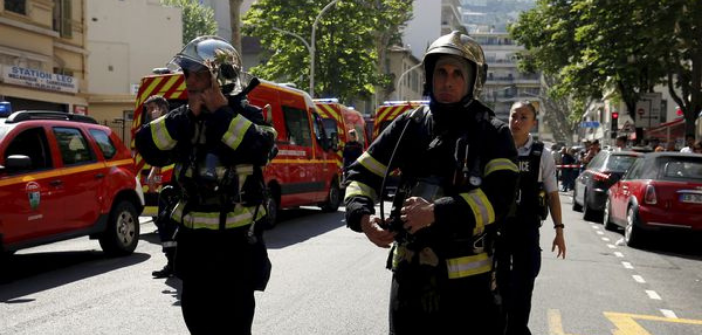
(167, 270)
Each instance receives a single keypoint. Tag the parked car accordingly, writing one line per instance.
(63, 176)
(661, 191)
(605, 169)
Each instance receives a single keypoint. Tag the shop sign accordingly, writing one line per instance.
(39, 79)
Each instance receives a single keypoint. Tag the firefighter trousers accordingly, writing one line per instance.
(519, 264)
(218, 292)
(465, 306)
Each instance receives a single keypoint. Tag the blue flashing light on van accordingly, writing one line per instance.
(5, 108)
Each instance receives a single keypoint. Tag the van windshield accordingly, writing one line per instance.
(329, 127)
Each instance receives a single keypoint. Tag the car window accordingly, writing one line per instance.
(682, 169)
(104, 142)
(619, 163)
(31, 143)
(635, 170)
(330, 127)
(598, 161)
(298, 125)
(73, 146)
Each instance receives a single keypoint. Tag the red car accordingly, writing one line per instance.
(661, 191)
(64, 176)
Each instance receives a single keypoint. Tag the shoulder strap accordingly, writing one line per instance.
(535, 155)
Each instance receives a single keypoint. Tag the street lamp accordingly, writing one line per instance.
(398, 86)
(310, 46)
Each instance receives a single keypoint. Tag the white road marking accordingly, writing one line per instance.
(599, 232)
(628, 265)
(669, 314)
(611, 246)
(653, 295)
(606, 239)
(618, 254)
(639, 279)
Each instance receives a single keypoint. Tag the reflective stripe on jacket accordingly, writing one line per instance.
(239, 217)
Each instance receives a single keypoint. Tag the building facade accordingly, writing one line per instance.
(408, 75)
(43, 55)
(126, 41)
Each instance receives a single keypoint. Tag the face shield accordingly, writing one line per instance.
(213, 54)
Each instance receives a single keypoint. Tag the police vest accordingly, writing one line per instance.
(531, 197)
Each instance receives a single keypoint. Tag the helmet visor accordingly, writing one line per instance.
(185, 65)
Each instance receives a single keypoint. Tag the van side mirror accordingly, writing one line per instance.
(16, 163)
(334, 141)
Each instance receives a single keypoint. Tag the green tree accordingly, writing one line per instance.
(197, 19)
(346, 54)
(628, 46)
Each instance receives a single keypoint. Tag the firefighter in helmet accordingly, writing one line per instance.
(458, 173)
(221, 257)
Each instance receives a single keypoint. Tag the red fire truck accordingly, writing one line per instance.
(303, 173)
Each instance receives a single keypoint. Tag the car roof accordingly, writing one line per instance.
(626, 153)
(672, 154)
(46, 115)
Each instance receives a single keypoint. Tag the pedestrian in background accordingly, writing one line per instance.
(620, 143)
(458, 176)
(697, 148)
(519, 253)
(592, 152)
(352, 149)
(156, 106)
(568, 171)
(690, 143)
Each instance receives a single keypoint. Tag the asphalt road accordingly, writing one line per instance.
(329, 280)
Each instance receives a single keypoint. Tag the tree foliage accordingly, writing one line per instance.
(346, 57)
(197, 19)
(624, 46)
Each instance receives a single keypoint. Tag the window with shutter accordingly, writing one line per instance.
(16, 6)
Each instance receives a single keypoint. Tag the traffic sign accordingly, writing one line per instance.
(590, 124)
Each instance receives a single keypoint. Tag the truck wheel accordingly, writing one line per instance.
(272, 208)
(122, 233)
(333, 198)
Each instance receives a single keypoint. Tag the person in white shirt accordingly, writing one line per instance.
(690, 141)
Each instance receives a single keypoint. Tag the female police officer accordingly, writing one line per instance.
(520, 254)
(217, 254)
(458, 177)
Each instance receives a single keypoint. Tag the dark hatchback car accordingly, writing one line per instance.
(590, 191)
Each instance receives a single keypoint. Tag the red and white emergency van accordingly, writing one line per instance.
(389, 110)
(305, 171)
(338, 120)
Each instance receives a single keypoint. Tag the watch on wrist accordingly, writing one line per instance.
(558, 225)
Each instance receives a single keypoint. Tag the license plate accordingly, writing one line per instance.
(691, 198)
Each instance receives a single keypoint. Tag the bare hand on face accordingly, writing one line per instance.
(195, 103)
(417, 213)
(212, 97)
(379, 236)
